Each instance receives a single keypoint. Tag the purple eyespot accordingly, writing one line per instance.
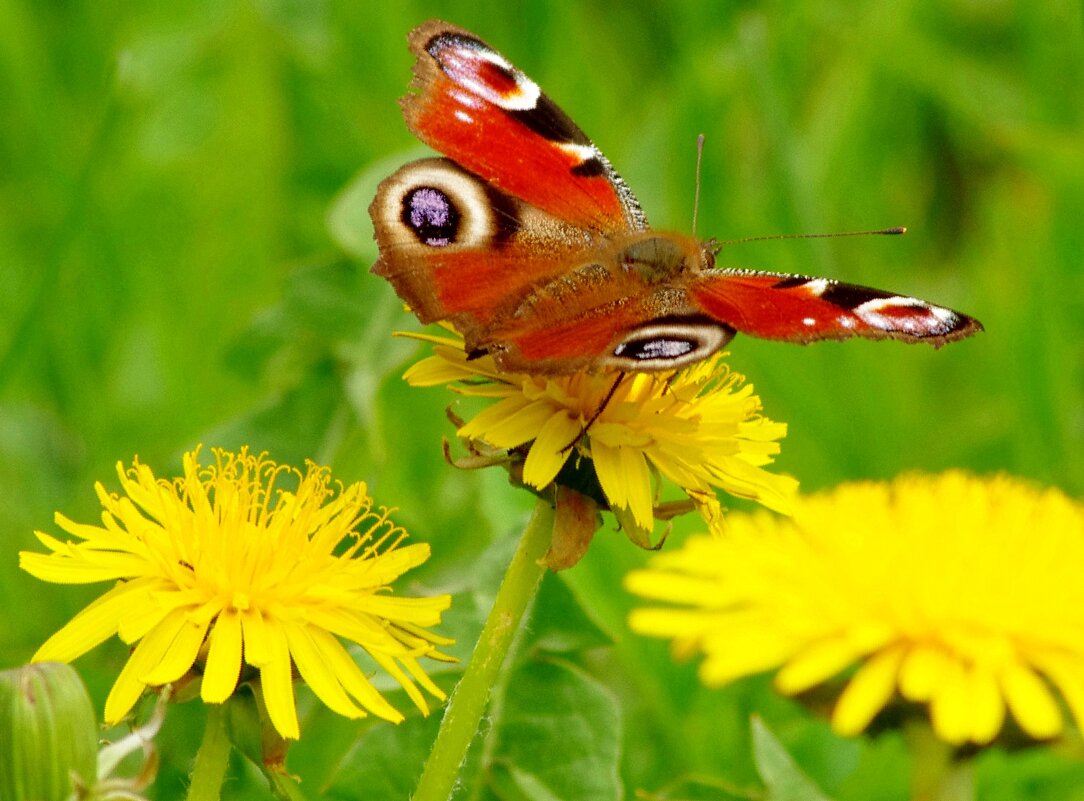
(430, 214)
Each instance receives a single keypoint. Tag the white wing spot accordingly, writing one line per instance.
(816, 286)
(582, 152)
(808, 322)
(463, 116)
(523, 98)
(466, 99)
(926, 321)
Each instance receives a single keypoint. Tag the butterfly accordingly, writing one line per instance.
(526, 240)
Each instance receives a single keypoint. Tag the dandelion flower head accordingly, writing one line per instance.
(954, 593)
(224, 573)
(700, 428)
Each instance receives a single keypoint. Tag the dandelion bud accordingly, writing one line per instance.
(48, 730)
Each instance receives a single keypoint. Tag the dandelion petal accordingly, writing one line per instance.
(987, 706)
(179, 656)
(317, 673)
(1031, 703)
(922, 671)
(146, 656)
(350, 676)
(258, 649)
(868, 692)
(625, 480)
(91, 627)
(550, 449)
(223, 666)
(816, 663)
(277, 684)
(949, 711)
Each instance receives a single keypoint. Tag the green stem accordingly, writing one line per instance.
(937, 772)
(468, 701)
(212, 758)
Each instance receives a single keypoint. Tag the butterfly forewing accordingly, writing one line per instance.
(802, 309)
(474, 106)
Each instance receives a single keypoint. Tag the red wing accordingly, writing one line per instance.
(802, 309)
(622, 337)
(474, 106)
(457, 249)
(566, 346)
(583, 340)
(468, 287)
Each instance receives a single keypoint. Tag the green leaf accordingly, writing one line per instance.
(293, 424)
(558, 737)
(385, 763)
(780, 773)
(324, 310)
(559, 622)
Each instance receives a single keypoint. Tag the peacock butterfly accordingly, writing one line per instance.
(528, 242)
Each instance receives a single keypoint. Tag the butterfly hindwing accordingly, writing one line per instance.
(622, 306)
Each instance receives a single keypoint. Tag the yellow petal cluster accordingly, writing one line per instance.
(955, 592)
(700, 428)
(225, 570)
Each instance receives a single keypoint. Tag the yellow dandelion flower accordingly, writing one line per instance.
(222, 568)
(956, 592)
(700, 428)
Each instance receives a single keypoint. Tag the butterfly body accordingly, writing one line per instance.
(527, 241)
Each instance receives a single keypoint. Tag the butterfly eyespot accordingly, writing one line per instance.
(661, 348)
(670, 343)
(431, 215)
(435, 204)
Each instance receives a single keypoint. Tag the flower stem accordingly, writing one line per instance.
(468, 701)
(212, 758)
(937, 773)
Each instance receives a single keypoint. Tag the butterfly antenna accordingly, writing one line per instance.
(879, 232)
(696, 196)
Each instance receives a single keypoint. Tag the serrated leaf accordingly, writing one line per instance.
(328, 298)
(385, 763)
(560, 624)
(778, 770)
(558, 737)
(291, 422)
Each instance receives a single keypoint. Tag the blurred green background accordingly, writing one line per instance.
(184, 253)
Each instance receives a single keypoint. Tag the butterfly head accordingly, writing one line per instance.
(657, 258)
